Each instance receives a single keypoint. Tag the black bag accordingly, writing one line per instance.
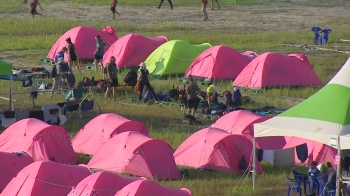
(131, 78)
(53, 72)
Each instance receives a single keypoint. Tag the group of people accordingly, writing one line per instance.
(35, 3)
(211, 96)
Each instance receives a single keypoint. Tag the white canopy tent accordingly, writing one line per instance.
(324, 117)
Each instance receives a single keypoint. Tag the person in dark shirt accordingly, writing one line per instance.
(111, 76)
(191, 93)
(313, 173)
(72, 55)
(144, 81)
(70, 79)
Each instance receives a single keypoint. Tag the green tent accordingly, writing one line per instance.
(5, 68)
(173, 57)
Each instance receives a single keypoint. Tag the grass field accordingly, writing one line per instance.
(25, 41)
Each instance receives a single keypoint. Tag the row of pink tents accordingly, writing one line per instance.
(22, 176)
(247, 69)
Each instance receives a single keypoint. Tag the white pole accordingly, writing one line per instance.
(337, 193)
(254, 161)
(11, 95)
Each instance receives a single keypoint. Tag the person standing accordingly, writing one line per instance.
(162, 1)
(112, 78)
(56, 75)
(191, 93)
(113, 8)
(60, 54)
(212, 4)
(204, 9)
(144, 81)
(99, 52)
(33, 5)
(70, 79)
(72, 55)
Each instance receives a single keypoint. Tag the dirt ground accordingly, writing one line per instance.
(294, 15)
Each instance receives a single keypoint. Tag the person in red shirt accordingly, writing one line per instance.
(113, 6)
(204, 8)
(33, 5)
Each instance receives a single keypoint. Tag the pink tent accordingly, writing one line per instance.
(40, 140)
(101, 183)
(215, 149)
(251, 54)
(45, 178)
(276, 70)
(241, 122)
(132, 49)
(137, 154)
(83, 38)
(148, 188)
(100, 129)
(10, 165)
(218, 62)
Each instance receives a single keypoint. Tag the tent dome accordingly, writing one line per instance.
(43, 177)
(215, 149)
(137, 154)
(100, 129)
(83, 38)
(276, 70)
(218, 62)
(103, 183)
(132, 49)
(146, 187)
(173, 57)
(39, 139)
(10, 165)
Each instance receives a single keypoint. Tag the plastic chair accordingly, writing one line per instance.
(293, 185)
(303, 178)
(323, 190)
(316, 31)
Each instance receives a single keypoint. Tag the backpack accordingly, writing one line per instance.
(53, 72)
(131, 78)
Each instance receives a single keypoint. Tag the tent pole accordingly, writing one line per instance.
(337, 193)
(254, 162)
(11, 93)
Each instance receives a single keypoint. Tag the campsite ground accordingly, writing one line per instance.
(254, 26)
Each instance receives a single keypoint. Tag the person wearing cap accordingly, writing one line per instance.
(212, 94)
(60, 54)
(113, 6)
(236, 97)
(144, 81)
(99, 52)
(112, 78)
(192, 91)
(72, 55)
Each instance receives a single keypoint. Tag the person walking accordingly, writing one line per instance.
(113, 8)
(204, 9)
(33, 5)
(212, 4)
(162, 1)
(99, 52)
(144, 81)
(112, 78)
(191, 93)
(72, 55)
